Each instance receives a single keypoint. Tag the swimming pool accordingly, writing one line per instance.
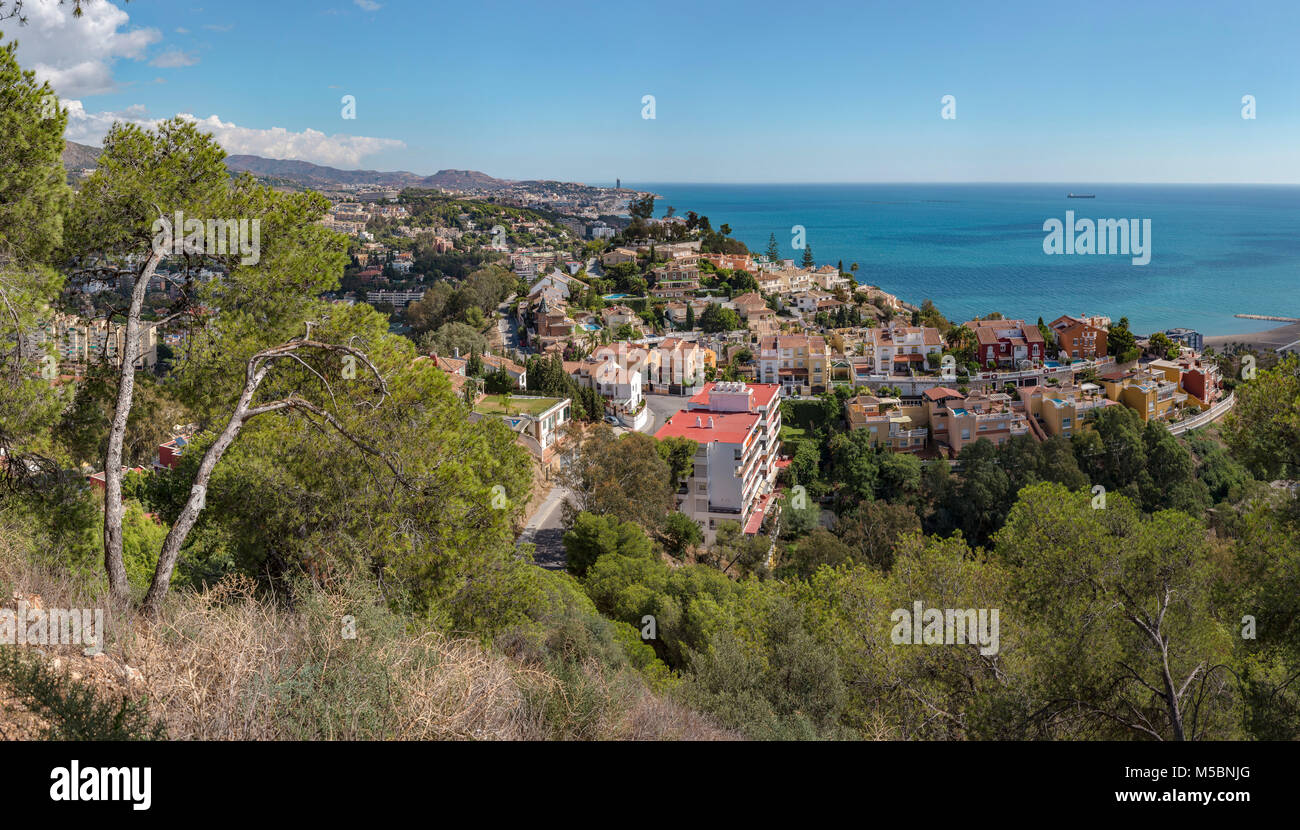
(589, 327)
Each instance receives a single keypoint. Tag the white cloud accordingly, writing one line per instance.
(76, 54)
(338, 150)
(173, 58)
(308, 145)
(369, 5)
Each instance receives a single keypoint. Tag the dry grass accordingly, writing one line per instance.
(226, 665)
(229, 664)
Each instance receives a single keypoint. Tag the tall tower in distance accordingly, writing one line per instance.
(618, 184)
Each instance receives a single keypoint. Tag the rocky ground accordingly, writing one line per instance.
(109, 675)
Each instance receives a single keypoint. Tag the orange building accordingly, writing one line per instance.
(1078, 338)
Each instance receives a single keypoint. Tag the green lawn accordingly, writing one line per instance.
(496, 405)
(792, 433)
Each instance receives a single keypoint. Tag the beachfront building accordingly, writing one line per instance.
(1190, 338)
(1007, 343)
(737, 428)
(1077, 338)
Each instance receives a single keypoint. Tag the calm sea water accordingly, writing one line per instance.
(977, 248)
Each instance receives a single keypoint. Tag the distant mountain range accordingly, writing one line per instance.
(83, 157)
(79, 156)
(304, 172)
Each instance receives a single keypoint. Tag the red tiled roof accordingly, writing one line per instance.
(763, 394)
(728, 427)
(939, 393)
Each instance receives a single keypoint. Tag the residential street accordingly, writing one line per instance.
(545, 530)
(662, 407)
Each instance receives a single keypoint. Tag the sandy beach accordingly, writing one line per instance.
(1270, 339)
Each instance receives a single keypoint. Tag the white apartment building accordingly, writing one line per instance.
(737, 428)
(399, 299)
(81, 341)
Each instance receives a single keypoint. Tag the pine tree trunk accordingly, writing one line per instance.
(189, 515)
(119, 588)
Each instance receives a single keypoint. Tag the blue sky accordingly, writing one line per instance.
(755, 91)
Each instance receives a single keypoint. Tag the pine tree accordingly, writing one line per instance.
(773, 250)
(807, 256)
(33, 200)
(690, 316)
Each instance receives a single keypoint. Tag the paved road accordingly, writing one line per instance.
(506, 326)
(545, 531)
(662, 407)
(1214, 413)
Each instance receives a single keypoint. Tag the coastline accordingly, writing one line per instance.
(1274, 338)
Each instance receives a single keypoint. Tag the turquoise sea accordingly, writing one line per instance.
(1217, 250)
